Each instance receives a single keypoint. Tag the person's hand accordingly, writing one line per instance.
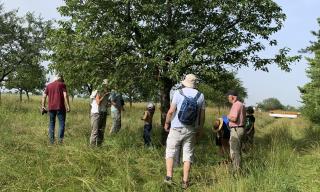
(43, 110)
(106, 94)
(68, 109)
(166, 127)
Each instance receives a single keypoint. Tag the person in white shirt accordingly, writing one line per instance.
(98, 114)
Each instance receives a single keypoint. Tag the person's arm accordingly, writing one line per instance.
(99, 98)
(249, 131)
(43, 101)
(144, 115)
(170, 113)
(233, 115)
(66, 101)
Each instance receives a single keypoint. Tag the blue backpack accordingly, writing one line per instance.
(189, 109)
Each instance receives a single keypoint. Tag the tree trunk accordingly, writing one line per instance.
(89, 88)
(20, 93)
(28, 96)
(165, 104)
(130, 98)
(130, 101)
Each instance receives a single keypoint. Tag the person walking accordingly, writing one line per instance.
(58, 105)
(236, 118)
(99, 103)
(186, 117)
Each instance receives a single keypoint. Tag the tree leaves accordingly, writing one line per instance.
(160, 41)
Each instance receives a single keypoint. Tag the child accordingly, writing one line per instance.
(222, 131)
(147, 117)
(249, 127)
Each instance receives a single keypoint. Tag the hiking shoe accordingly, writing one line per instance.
(185, 184)
(168, 180)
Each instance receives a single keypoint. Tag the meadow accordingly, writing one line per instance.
(285, 157)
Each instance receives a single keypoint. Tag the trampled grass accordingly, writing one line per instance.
(285, 156)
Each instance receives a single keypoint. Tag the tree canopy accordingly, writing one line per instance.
(159, 41)
(21, 41)
(310, 92)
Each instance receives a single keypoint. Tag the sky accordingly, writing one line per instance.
(296, 34)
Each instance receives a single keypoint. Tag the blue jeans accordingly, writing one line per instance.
(61, 114)
(147, 134)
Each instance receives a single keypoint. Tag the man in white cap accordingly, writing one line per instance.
(58, 105)
(186, 117)
(99, 103)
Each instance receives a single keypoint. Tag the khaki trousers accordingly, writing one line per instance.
(235, 141)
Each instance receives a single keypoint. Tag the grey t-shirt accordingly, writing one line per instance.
(116, 98)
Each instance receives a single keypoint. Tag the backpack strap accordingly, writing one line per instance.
(181, 92)
(195, 98)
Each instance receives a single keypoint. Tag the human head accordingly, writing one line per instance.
(189, 81)
(105, 85)
(58, 77)
(232, 96)
(250, 110)
(150, 106)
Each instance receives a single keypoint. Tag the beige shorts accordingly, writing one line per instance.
(181, 137)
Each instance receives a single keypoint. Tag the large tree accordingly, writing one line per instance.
(9, 30)
(161, 40)
(21, 41)
(310, 92)
(31, 79)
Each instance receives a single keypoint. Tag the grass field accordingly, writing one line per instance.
(286, 155)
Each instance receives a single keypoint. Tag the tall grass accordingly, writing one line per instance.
(285, 156)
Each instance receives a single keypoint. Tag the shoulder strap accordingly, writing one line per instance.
(181, 92)
(197, 96)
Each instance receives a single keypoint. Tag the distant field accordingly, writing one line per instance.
(286, 156)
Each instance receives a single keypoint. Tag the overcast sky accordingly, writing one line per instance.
(301, 20)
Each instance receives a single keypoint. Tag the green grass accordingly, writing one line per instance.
(285, 157)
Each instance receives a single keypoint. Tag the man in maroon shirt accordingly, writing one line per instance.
(58, 105)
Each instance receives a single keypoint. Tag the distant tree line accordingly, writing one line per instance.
(274, 104)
